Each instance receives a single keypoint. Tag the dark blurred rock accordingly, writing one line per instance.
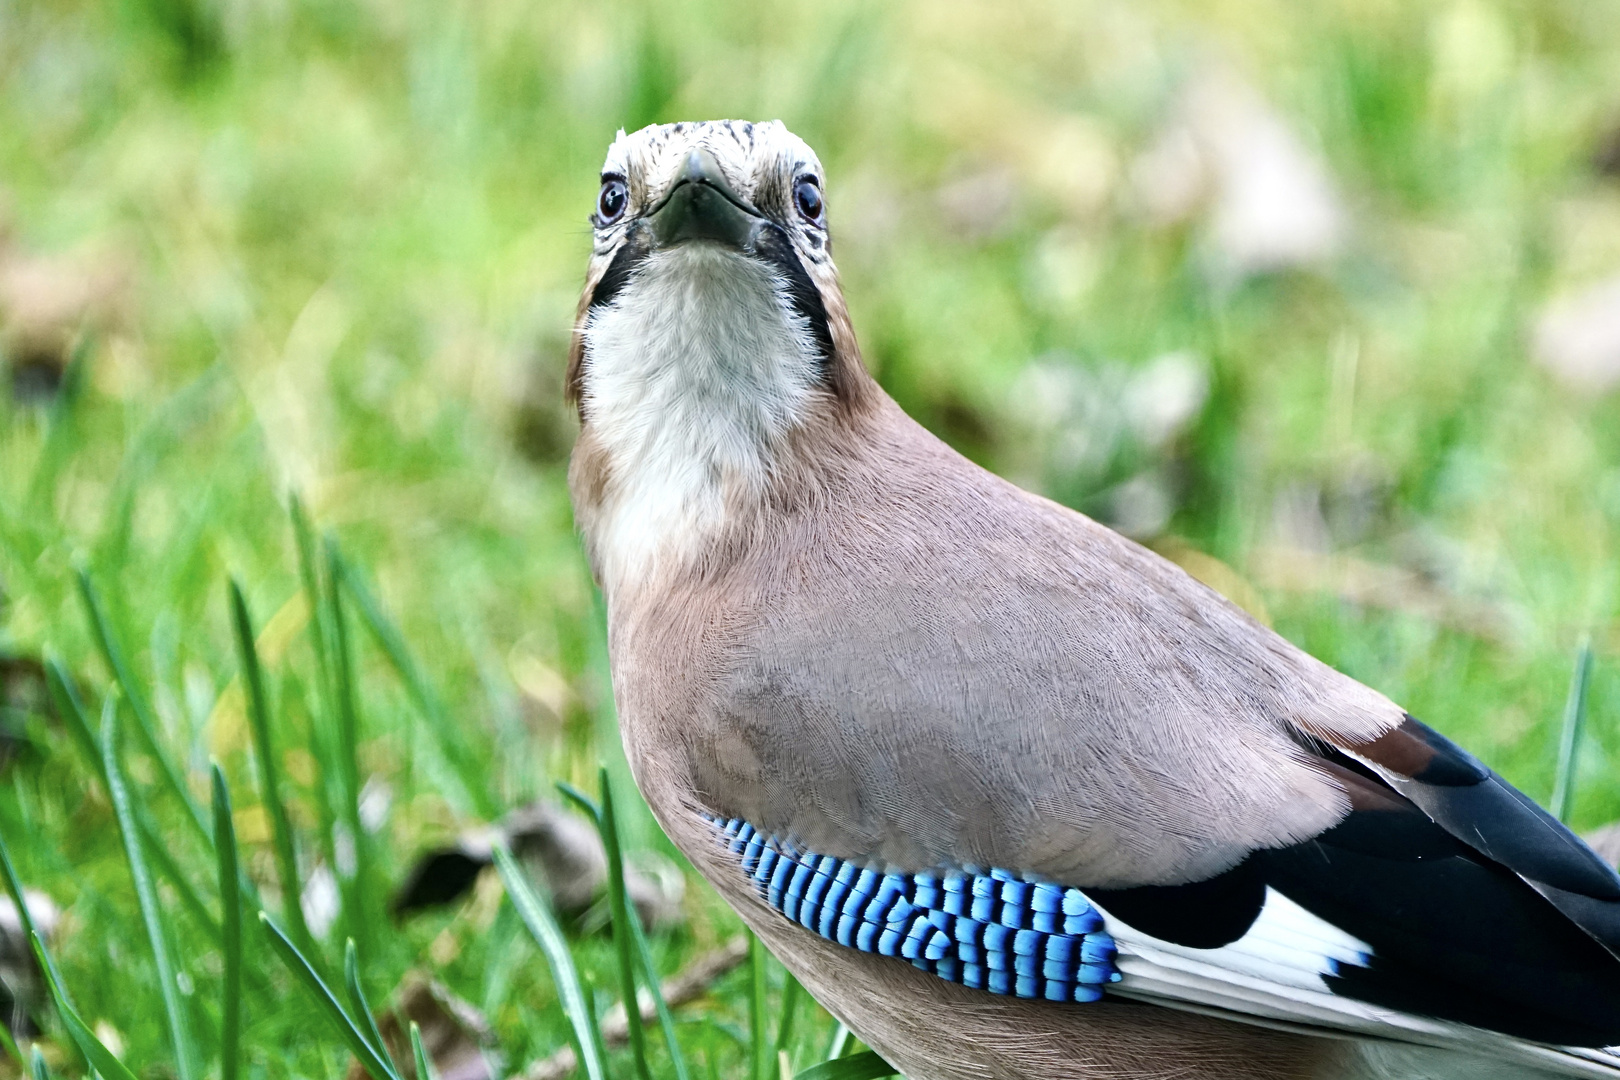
(36, 376)
(439, 877)
(563, 855)
(22, 692)
(47, 303)
(1606, 157)
(22, 685)
(561, 851)
(456, 1037)
(694, 981)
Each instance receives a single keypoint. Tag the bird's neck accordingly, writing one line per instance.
(694, 379)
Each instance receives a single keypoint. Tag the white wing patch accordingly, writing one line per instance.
(1276, 975)
(1287, 945)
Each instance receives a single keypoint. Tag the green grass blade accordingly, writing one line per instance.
(314, 596)
(185, 1053)
(601, 816)
(866, 1065)
(583, 801)
(145, 721)
(474, 794)
(320, 642)
(10, 1046)
(624, 943)
(71, 709)
(1570, 738)
(15, 889)
(666, 1019)
(258, 709)
(157, 853)
(377, 1066)
(359, 1006)
(841, 1038)
(36, 1065)
(304, 539)
(759, 1046)
(424, 1067)
(100, 1058)
(792, 992)
(348, 728)
(230, 900)
(542, 925)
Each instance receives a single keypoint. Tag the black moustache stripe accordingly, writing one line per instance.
(773, 247)
(631, 254)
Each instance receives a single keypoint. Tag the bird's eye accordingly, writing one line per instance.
(807, 197)
(611, 200)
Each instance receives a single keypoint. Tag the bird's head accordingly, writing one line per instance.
(688, 219)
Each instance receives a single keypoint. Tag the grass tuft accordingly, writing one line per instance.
(230, 902)
(666, 1019)
(542, 925)
(761, 1060)
(788, 1012)
(353, 862)
(360, 1008)
(15, 890)
(101, 1059)
(139, 708)
(472, 793)
(624, 943)
(185, 1052)
(1569, 738)
(70, 707)
(424, 1067)
(281, 831)
(359, 1042)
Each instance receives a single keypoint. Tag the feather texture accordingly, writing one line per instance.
(990, 931)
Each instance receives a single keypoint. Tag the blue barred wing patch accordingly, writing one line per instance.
(990, 931)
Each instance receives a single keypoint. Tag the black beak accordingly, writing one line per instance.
(702, 206)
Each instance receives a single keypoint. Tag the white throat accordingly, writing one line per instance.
(693, 375)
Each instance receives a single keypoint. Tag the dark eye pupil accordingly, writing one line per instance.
(610, 203)
(809, 199)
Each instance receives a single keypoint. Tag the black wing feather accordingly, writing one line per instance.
(1455, 933)
(1482, 810)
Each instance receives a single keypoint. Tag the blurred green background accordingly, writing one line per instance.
(1316, 299)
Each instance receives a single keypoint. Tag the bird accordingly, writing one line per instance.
(1012, 796)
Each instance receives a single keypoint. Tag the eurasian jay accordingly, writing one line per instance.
(1011, 795)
